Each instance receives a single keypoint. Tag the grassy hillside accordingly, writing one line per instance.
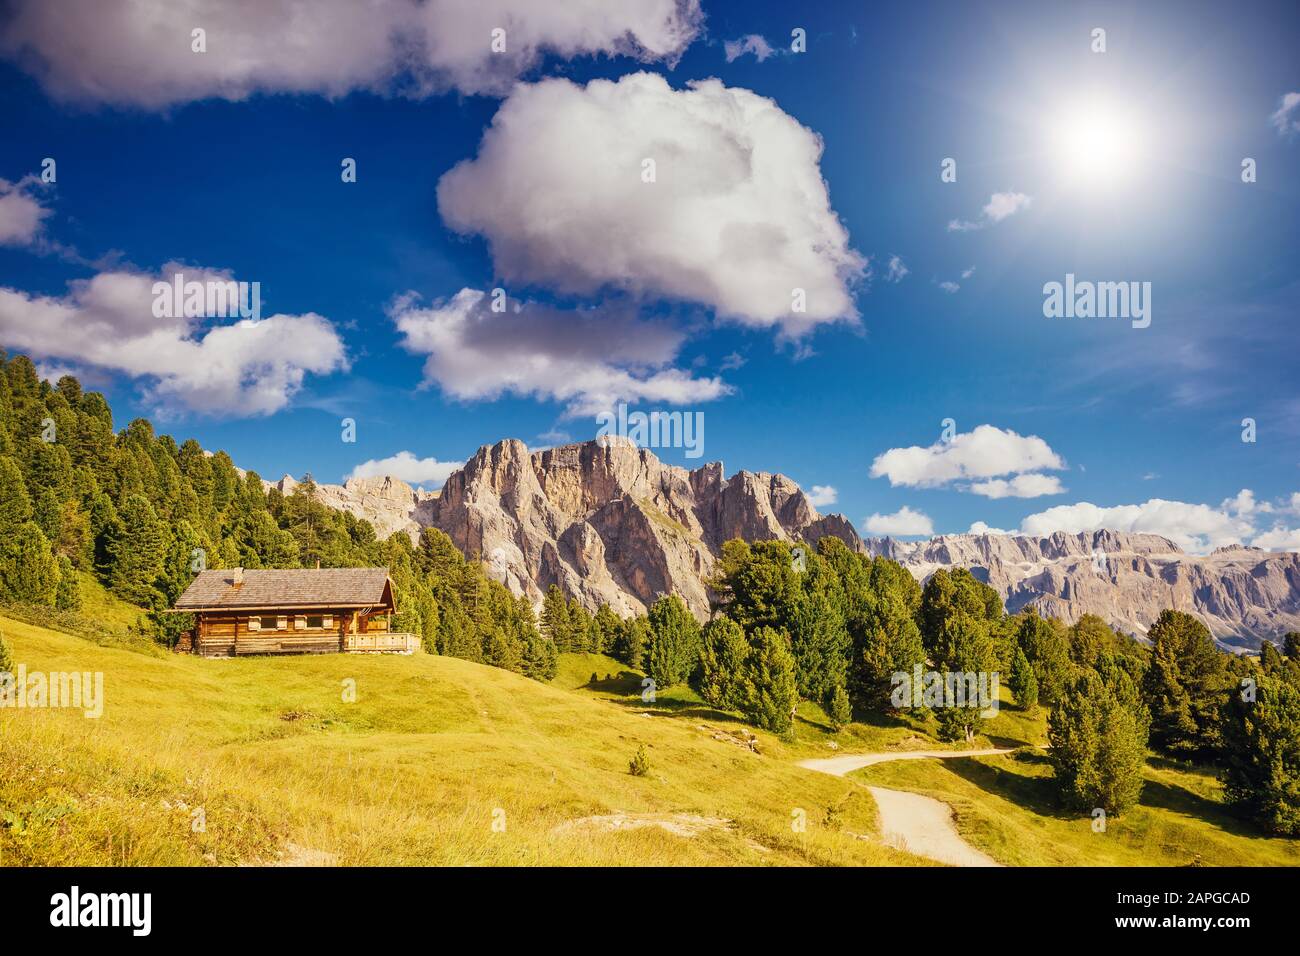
(410, 773)
(284, 771)
(1006, 806)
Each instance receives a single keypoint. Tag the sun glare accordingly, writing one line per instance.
(1097, 144)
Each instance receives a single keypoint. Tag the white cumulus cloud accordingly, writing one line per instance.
(1196, 528)
(589, 359)
(21, 213)
(405, 465)
(139, 52)
(1000, 206)
(822, 495)
(185, 364)
(985, 453)
(901, 523)
(738, 216)
(1021, 486)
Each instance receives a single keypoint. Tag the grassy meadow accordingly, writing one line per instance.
(440, 761)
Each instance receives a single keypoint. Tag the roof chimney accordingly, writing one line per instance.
(237, 577)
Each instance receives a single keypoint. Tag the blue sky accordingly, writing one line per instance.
(1122, 165)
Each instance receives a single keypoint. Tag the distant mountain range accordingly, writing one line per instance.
(610, 523)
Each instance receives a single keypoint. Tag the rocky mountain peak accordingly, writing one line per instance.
(610, 523)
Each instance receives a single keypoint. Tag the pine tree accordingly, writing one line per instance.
(1046, 646)
(886, 639)
(138, 554)
(28, 571)
(820, 643)
(1098, 733)
(67, 596)
(1185, 686)
(838, 709)
(15, 503)
(1023, 683)
(722, 660)
(674, 649)
(555, 619)
(6, 657)
(633, 637)
(767, 682)
(1261, 756)
(579, 628)
(607, 626)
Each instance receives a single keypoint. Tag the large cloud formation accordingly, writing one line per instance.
(243, 368)
(588, 359)
(736, 218)
(1196, 528)
(138, 52)
(978, 459)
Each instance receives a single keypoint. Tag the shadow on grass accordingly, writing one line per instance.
(627, 686)
(624, 682)
(1034, 793)
(1165, 796)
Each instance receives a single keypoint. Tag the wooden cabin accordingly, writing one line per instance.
(298, 611)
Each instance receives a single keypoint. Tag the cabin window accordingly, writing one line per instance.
(254, 624)
(281, 623)
(299, 623)
(268, 623)
(329, 621)
(315, 621)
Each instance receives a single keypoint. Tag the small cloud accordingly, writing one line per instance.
(949, 287)
(21, 213)
(732, 362)
(967, 273)
(897, 270)
(822, 495)
(1150, 476)
(1021, 486)
(750, 43)
(1287, 117)
(902, 523)
(979, 527)
(556, 436)
(1000, 206)
(412, 470)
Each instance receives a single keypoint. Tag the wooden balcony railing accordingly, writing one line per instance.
(381, 642)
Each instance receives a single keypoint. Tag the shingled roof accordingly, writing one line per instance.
(296, 588)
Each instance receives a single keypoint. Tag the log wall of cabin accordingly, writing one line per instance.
(229, 634)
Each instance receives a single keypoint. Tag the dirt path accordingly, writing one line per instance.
(910, 821)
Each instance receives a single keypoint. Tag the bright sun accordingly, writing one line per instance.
(1096, 144)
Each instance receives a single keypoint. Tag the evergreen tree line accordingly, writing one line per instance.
(835, 627)
(143, 515)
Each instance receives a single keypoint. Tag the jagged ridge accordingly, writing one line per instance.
(610, 523)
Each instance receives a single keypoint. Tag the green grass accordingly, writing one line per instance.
(1007, 806)
(434, 749)
(100, 604)
(411, 773)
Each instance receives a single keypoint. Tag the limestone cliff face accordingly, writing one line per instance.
(388, 503)
(1243, 595)
(610, 523)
